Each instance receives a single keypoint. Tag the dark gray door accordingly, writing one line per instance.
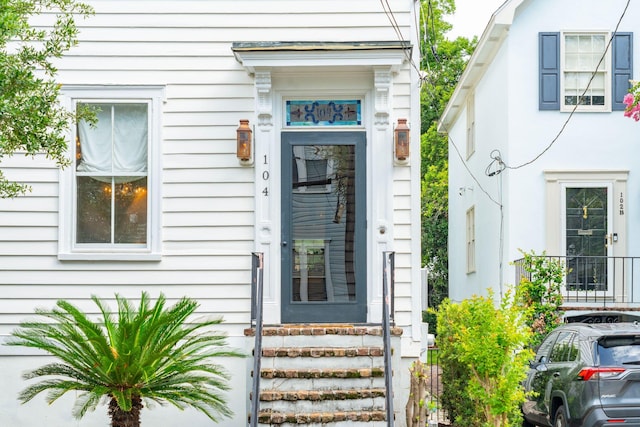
(324, 249)
(587, 226)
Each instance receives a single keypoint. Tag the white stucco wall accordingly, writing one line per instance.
(508, 119)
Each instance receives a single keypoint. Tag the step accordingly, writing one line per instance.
(323, 418)
(306, 401)
(327, 362)
(319, 384)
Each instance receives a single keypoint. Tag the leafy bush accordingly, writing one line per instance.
(484, 357)
(540, 294)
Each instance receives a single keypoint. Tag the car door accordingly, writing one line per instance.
(534, 408)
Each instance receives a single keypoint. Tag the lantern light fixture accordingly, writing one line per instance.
(402, 139)
(243, 150)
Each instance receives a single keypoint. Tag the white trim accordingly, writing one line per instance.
(555, 182)
(67, 250)
(255, 60)
(471, 240)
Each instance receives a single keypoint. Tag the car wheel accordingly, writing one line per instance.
(560, 419)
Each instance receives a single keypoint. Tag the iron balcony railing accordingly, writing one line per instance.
(596, 280)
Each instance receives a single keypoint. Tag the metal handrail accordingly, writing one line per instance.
(388, 266)
(257, 276)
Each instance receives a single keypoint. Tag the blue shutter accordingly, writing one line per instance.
(622, 65)
(549, 63)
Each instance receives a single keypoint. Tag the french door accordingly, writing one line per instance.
(323, 247)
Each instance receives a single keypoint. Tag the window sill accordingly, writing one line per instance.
(109, 256)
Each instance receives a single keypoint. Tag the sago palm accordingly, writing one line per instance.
(147, 353)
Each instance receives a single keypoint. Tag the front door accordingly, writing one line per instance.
(587, 238)
(324, 249)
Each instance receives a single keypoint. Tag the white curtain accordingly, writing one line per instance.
(117, 145)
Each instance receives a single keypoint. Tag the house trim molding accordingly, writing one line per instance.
(554, 180)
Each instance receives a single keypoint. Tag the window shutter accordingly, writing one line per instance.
(549, 63)
(622, 65)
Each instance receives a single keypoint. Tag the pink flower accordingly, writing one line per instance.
(628, 99)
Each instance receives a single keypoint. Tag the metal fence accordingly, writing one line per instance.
(605, 281)
(434, 384)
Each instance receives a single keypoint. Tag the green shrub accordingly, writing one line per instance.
(484, 357)
(539, 295)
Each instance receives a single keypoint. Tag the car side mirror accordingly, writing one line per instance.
(542, 367)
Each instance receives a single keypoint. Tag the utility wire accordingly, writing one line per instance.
(394, 24)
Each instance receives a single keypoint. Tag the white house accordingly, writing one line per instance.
(162, 198)
(541, 156)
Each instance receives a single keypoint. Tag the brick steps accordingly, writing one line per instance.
(322, 375)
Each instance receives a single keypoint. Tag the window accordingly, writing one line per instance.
(584, 70)
(579, 69)
(471, 240)
(110, 204)
(565, 349)
(471, 126)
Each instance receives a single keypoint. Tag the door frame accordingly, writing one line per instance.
(609, 247)
(557, 181)
(372, 85)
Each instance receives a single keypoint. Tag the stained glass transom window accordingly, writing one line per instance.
(324, 113)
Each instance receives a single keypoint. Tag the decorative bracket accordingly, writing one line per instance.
(382, 81)
(263, 98)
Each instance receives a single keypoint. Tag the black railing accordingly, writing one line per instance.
(257, 276)
(603, 280)
(388, 267)
(434, 385)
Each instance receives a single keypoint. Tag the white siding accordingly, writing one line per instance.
(208, 199)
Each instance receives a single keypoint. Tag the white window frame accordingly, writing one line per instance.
(151, 251)
(606, 66)
(471, 239)
(471, 125)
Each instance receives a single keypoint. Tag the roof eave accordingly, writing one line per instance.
(258, 55)
(492, 38)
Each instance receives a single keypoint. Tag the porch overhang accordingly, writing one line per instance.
(265, 55)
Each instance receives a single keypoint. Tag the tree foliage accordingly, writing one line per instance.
(151, 352)
(31, 120)
(443, 62)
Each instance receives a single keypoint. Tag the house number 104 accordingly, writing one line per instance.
(265, 177)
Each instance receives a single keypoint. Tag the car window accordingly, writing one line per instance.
(619, 350)
(542, 355)
(564, 349)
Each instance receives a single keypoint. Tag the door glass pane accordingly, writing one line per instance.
(586, 231)
(323, 207)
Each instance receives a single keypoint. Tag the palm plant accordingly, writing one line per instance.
(147, 353)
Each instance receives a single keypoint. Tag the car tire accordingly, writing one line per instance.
(560, 419)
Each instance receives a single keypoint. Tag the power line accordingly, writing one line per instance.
(396, 27)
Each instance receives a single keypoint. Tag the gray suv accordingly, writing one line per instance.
(585, 375)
